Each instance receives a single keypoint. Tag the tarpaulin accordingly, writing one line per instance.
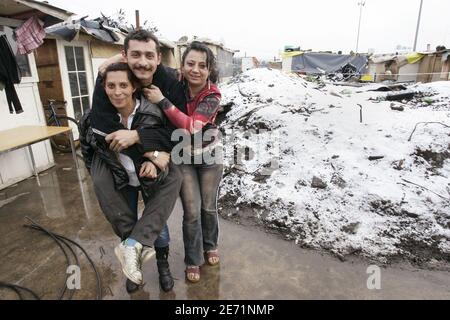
(403, 59)
(289, 54)
(67, 32)
(70, 31)
(326, 63)
(414, 57)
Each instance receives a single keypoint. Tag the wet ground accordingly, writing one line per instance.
(254, 264)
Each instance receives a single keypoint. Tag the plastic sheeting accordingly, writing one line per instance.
(288, 54)
(326, 63)
(69, 31)
(414, 57)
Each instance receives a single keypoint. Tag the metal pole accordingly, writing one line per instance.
(74, 153)
(30, 151)
(361, 5)
(418, 26)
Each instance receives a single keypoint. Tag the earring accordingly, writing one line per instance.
(209, 84)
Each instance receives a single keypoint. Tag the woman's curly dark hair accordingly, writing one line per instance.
(210, 59)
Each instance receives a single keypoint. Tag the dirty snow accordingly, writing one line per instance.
(396, 206)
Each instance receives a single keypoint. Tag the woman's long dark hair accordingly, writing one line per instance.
(210, 59)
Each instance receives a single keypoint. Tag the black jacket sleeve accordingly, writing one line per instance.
(156, 139)
(160, 138)
(170, 87)
(85, 137)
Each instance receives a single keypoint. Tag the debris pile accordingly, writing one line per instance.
(337, 168)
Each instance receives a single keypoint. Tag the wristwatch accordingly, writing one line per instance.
(155, 155)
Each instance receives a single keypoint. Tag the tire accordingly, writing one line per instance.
(62, 144)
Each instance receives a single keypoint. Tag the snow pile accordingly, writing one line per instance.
(325, 179)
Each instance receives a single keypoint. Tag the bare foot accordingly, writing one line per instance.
(212, 257)
(193, 274)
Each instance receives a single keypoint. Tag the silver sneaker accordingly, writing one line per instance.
(129, 258)
(147, 254)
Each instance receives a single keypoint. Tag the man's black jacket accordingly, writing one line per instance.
(104, 116)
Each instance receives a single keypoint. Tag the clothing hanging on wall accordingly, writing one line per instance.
(9, 75)
(30, 35)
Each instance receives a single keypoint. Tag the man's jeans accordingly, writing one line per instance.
(132, 196)
(200, 220)
(119, 214)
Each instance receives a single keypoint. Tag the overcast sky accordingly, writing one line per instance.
(262, 28)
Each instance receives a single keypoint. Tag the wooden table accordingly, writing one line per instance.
(25, 136)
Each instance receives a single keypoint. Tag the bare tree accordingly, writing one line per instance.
(120, 22)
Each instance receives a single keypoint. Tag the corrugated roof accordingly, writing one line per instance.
(70, 30)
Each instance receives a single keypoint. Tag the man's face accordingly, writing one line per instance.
(143, 59)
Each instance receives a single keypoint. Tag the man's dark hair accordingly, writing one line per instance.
(121, 66)
(142, 35)
(210, 59)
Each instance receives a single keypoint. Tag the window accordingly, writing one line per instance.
(24, 65)
(77, 79)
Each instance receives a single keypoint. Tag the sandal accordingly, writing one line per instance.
(212, 255)
(193, 274)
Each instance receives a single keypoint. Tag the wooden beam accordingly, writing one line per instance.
(10, 22)
(27, 14)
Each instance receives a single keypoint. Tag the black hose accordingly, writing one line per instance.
(62, 238)
(72, 292)
(59, 239)
(97, 274)
(63, 290)
(17, 289)
(13, 288)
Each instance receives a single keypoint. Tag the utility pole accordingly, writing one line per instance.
(418, 26)
(361, 4)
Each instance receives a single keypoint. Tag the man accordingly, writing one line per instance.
(143, 56)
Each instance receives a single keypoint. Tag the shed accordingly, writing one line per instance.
(16, 165)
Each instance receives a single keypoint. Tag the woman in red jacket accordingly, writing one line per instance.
(201, 178)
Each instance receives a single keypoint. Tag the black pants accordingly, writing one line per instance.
(119, 214)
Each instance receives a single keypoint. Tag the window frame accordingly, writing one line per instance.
(65, 78)
(33, 69)
(77, 73)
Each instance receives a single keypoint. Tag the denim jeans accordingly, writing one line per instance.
(132, 196)
(200, 220)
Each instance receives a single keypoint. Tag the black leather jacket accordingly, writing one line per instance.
(148, 116)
